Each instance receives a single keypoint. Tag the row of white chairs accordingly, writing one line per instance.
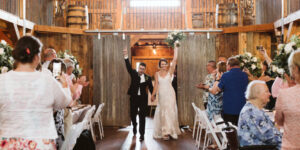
(87, 123)
(213, 132)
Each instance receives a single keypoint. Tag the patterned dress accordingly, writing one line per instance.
(209, 79)
(256, 128)
(214, 104)
(59, 124)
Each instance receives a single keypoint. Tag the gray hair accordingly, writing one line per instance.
(69, 63)
(252, 90)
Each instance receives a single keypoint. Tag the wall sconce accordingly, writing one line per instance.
(99, 36)
(123, 36)
(154, 49)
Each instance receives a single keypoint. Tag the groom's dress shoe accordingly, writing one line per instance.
(142, 138)
(134, 130)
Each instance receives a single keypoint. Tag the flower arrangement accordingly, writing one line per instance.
(279, 65)
(173, 37)
(6, 59)
(250, 62)
(67, 55)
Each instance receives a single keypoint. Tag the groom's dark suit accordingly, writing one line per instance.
(138, 100)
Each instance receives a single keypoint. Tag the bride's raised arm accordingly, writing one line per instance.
(174, 61)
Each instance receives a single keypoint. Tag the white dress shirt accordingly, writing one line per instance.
(142, 81)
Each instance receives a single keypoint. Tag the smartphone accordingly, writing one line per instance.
(259, 48)
(56, 69)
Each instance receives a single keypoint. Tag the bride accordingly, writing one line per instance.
(166, 116)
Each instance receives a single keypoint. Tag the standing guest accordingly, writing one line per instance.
(49, 55)
(215, 101)
(287, 107)
(222, 58)
(233, 84)
(209, 79)
(27, 100)
(255, 127)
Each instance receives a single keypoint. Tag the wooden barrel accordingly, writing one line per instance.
(76, 17)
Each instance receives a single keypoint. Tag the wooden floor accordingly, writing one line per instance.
(123, 139)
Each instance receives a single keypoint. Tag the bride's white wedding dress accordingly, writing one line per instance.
(166, 114)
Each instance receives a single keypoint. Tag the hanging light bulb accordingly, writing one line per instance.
(154, 49)
(123, 37)
(99, 36)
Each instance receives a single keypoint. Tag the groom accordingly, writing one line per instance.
(138, 92)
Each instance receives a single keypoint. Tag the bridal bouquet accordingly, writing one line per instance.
(67, 55)
(173, 37)
(250, 62)
(279, 66)
(6, 59)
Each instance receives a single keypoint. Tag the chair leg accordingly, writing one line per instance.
(205, 138)
(195, 121)
(92, 131)
(99, 126)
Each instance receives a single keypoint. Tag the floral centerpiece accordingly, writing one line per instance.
(173, 37)
(279, 65)
(6, 59)
(67, 55)
(250, 62)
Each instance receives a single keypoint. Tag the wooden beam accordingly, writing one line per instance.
(17, 31)
(290, 18)
(250, 28)
(53, 29)
(8, 17)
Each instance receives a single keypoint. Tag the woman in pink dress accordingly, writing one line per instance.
(287, 107)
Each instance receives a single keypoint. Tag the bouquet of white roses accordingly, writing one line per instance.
(173, 37)
(6, 59)
(250, 62)
(67, 55)
(279, 65)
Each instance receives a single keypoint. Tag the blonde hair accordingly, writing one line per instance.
(294, 60)
(69, 63)
(252, 90)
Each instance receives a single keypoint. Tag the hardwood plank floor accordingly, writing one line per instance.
(123, 139)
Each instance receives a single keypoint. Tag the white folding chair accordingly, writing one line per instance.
(73, 133)
(97, 118)
(213, 129)
(196, 119)
(201, 126)
(88, 121)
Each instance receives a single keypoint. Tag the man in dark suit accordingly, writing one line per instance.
(138, 91)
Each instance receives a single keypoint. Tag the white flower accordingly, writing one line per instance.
(288, 48)
(280, 46)
(253, 66)
(11, 58)
(242, 64)
(171, 37)
(292, 43)
(67, 56)
(3, 42)
(77, 66)
(245, 60)
(4, 69)
(248, 54)
(274, 68)
(254, 59)
(1, 51)
(280, 71)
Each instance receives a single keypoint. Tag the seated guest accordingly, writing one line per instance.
(49, 54)
(27, 100)
(287, 107)
(255, 126)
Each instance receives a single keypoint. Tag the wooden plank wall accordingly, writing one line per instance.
(40, 11)
(269, 11)
(111, 79)
(11, 6)
(193, 55)
(81, 47)
(226, 45)
(248, 42)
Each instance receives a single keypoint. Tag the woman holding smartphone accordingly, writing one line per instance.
(27, 100)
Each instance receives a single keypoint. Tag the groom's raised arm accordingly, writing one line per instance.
(128, 65)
